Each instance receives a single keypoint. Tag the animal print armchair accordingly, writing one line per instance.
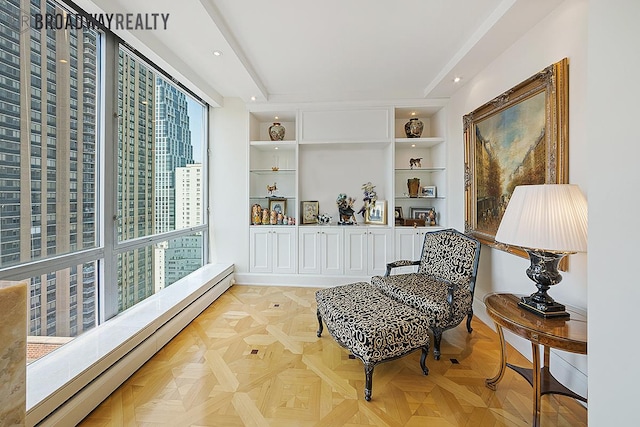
(443, 285)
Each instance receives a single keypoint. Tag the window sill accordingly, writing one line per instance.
(58, 376)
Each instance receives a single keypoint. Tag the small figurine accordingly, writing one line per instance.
(415, 162)
(273, 220)
(369, 199)
(265, 216)
(279, 218)
(431, 217)
(256, 214)
(271, 189)
(345, 208)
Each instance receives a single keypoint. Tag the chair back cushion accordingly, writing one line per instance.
(450, 255)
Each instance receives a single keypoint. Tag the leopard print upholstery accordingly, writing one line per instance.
(449, 261)
(450, 255)
(427, 294)
(372, 326)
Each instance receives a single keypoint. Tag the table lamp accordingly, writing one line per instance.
(547, 221)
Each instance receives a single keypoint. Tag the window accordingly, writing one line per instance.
(55, 232)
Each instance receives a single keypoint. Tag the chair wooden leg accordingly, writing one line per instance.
(319, 333)
(437, 337)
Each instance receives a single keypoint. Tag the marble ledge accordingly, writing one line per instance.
(13, 353)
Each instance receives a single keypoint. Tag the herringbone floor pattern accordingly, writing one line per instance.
(253, 359)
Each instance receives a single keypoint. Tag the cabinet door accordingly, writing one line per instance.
(379, 250)
(355, 248)
(309, 250)
(408, 247)
(332, 251)
(260, 260)
(284, 249)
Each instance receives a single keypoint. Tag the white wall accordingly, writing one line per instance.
(229, 163)
(561, 34)
(614, 149)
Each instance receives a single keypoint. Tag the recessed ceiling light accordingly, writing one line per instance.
(457, 79)
(253, 98)
(276, 148)
(217, 53)
(276, 117)
(413, 113)
(413, 145)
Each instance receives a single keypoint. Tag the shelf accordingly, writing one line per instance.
(427, 142)
(436, 169)
(272, 172)
(274, 145)
(272, 197)
(419, 197)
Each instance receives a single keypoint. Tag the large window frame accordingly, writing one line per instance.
(108, 248)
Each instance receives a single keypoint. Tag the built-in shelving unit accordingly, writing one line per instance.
(430, 153)
(328, 152)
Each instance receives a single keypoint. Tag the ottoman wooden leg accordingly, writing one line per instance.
(423, 357)
(368, 374)
(319, 333)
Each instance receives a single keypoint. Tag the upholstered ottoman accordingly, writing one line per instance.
(374, 327)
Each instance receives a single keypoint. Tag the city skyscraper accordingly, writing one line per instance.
(48, 102)
(173, 150)
(184, 254)
(136, 169)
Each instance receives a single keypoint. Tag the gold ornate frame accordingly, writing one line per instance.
(553, 81)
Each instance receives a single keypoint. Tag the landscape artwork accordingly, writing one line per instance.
(510, 151)
(518, 138)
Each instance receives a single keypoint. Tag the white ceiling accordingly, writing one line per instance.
(298, 51)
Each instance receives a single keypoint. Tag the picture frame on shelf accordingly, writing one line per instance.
(279, 205)
(309, 210)
(398, 215)
(420, 213)
(428, 191)
(376, 214)
(530, 121)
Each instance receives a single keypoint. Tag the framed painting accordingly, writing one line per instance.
(376, 214)
(278, 205)
(518, 138)
(310, 210)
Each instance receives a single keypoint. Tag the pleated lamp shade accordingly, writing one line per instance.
(548, 217)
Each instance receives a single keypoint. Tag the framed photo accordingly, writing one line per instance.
(377, 214)
(420, 213)
(278, 205)
(520, 137)
(398, 214)
(429, 191)
(309, 211)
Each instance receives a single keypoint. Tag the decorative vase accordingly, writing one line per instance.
(276, 132)
(413, 184)
(413, 128)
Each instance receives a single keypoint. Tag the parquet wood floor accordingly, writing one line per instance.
(253, 359)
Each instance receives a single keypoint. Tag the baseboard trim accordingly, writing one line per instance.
(73, 401)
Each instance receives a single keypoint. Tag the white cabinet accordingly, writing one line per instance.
(367, 250)
(331, 150)
(408, 244)
(321, 250)
(273, 249)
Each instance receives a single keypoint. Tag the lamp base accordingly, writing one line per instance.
(546, 310)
